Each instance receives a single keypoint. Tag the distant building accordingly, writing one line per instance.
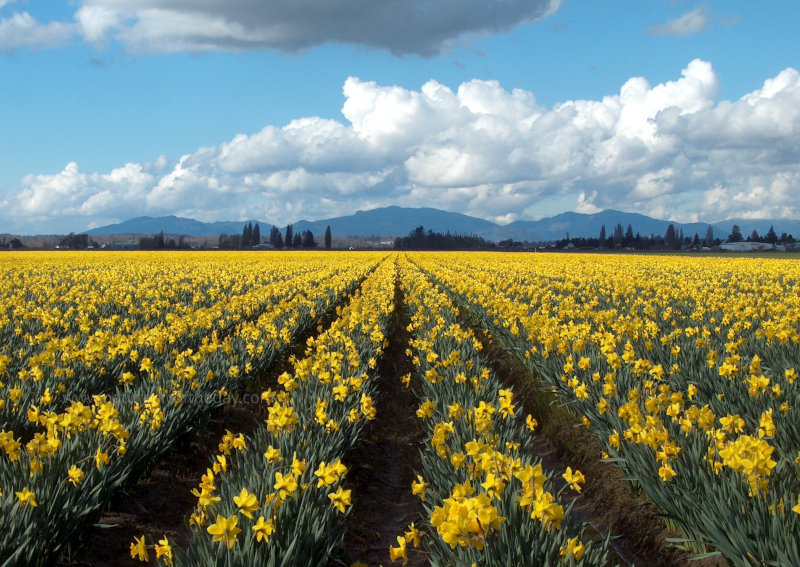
(746, 246)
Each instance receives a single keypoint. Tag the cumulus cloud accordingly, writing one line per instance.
(422, 27)
(96, 22)
(673, 149)
(586, 204)
(22, 30)
(690, 23)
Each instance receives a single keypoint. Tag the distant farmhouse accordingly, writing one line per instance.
(750, 246)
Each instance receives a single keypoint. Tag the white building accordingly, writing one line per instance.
(746, 246)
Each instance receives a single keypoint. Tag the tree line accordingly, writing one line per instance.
(673, 239)
(160, 242)
(251, 237)
(420, 239)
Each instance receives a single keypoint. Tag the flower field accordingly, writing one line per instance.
(684, 370)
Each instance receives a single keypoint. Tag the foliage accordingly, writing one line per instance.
(104, 367)
(489, 502)
(685, 370)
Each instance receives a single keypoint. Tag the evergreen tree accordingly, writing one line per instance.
(709, 241)
(736, 234)
(629, 238)
(619, 236)
(308, 239)
(671, 238)
(289, 238)
(771, 236)
(602, 240)
(275, 238)
(328, 238)
(297, 241)
(255, 238)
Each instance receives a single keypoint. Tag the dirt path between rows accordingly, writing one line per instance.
(383, 466)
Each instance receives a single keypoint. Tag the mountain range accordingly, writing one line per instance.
(399, 221)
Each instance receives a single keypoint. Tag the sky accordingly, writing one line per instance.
(502, 109)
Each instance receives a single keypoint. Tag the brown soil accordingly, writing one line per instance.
(383, 466)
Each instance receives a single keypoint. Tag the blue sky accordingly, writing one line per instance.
(503, 109)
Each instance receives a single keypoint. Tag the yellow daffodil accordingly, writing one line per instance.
(247, 503)
(225, 529)
(574, 479)
(340, 499)
(139, 549)
(418, 487)
(263, 529)
(164, 551)
(27, 498)
(75, 475)
(399, 552)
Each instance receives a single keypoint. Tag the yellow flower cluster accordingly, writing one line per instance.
(466, 520)
(90, 316)
(475, 433)
(254, 490)
(151, 339)
(685, 368)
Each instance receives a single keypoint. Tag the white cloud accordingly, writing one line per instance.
(21, 30)
(672, 149)
(97, 22)
(74, 198)
(653, 184)
(690, 23)
(313, 143)
(586, 204)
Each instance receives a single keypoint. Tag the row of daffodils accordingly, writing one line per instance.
(276, 497)
(109, 403)
(488, 500)
(101, 319)
(685, 369)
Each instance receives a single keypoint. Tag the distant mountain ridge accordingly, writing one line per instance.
(173, 225)
(399, 221)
